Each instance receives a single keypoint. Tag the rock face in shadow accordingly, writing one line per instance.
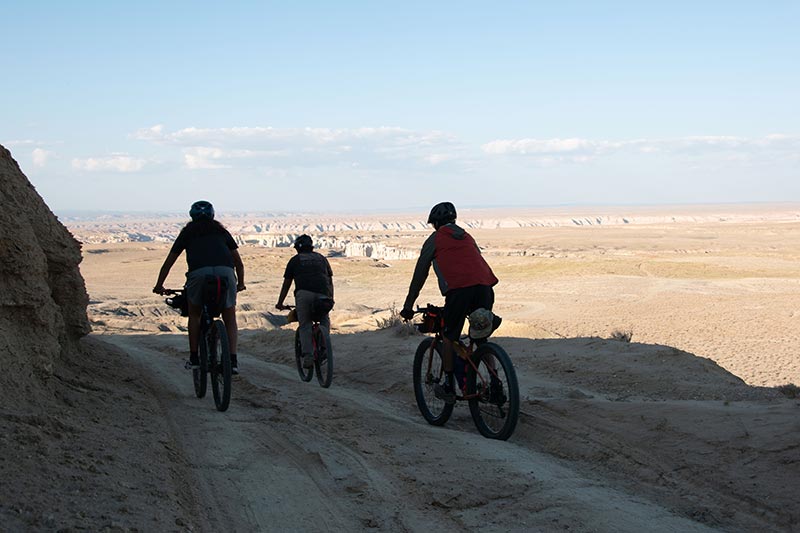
(42, 294)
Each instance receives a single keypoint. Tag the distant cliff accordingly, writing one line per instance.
(376, 235)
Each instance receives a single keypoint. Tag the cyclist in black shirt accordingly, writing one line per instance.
(210, 250)
(312, 276)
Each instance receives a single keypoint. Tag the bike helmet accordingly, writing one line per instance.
(442, 213)
(202, 210)
(303, 241)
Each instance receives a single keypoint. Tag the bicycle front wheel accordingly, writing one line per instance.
(220, 365)
(323, 357)
(199, 375)
(428, 371)
(305, 373)
(495, 407)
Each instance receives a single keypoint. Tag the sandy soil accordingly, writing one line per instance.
(683, 429)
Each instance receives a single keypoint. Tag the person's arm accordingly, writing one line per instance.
(420, 272)
(287, 283)
(239, 266)
(164, 272)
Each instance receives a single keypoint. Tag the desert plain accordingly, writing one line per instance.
(693, 424)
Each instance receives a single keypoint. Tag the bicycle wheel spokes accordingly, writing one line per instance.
(220, 363)
(495, 407)
(323, 358)
(305, 373)
(428, 373)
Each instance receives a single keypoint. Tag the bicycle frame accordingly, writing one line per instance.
(466, 355)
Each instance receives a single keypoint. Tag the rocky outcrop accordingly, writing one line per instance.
(42, 294)
(378, 250)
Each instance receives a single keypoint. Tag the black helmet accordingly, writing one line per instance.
(202, 210)
(303, 241)
(442, 213)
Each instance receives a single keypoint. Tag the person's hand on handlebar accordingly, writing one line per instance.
(407, 314)
(158, 289)
(281, 307)
(240, 287)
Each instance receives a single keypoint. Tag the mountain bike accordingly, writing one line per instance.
(484, 374)
(323, 353)
(213, 347)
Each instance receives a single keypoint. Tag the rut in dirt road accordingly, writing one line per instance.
(359, 455)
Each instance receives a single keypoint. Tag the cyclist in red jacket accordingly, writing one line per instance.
(465, 280)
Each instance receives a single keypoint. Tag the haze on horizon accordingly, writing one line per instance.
(353, 106)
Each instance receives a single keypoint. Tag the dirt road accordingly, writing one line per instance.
(586, 457)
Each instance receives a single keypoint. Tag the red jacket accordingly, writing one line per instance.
(456, 259)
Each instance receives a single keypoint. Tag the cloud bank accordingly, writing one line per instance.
(576, 149)
(213, 148)
(113, 163)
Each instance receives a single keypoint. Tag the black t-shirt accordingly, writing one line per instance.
(310, 272)
(213, 249)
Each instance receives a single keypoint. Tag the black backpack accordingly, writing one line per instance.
(321, 306)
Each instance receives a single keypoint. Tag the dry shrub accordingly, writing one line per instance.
(790, 390)
(396, 323)
(622, 335)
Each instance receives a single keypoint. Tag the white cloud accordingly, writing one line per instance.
(200, 158)
(543, 146)
(113, 163)
(40, 157)
(19, 142)
(576, 149)
(220, 147)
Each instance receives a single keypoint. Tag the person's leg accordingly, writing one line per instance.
(229, 317)
(303, 301)
(194, 297)
(325, 326)
(447, 355)
(456, 305)
(454, 313)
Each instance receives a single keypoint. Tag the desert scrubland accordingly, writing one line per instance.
(685, 428)
(721, 283)
(693, 425)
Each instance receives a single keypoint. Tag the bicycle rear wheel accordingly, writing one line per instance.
(495, 410)
(220, 365)
(428, 372)
(305, 373)
(323, 358)
(199, 374)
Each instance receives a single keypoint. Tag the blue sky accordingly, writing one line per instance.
(350, 105)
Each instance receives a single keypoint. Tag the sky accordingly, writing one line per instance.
(337, 106)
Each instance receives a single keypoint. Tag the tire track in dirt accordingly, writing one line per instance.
(290, 454)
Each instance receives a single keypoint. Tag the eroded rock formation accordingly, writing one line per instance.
(42, 294)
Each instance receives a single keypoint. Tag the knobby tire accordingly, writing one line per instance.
(305, 373)
(199, 375)
(434, 410)
(220, 365)
(323, 358)
(495, 413)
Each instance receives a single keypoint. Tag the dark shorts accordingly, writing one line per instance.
(458, 303)
(196, 279)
